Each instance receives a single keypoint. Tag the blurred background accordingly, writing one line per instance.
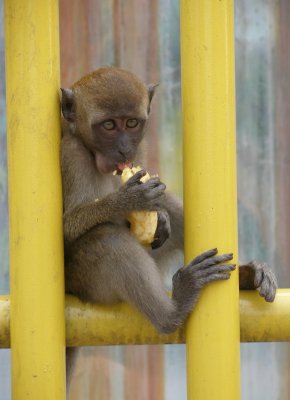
(143, 36)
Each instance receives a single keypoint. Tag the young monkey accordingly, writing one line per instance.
(104, 121)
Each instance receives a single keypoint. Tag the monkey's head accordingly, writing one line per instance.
(108, 110)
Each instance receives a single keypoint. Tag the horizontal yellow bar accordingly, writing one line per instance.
(92, 325)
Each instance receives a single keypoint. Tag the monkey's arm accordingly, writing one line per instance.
(84, 217)
(114, 207)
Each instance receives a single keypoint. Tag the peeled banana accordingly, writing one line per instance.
(143, 223)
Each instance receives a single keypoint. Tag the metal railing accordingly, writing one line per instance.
(34, 324)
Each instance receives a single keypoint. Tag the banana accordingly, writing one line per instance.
(143, 223)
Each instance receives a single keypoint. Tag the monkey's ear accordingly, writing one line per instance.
(68, 104)
(151, 90)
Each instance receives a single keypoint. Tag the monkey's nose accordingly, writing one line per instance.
(124, 155)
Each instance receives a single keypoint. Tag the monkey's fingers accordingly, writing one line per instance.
(262, 278)
(163, 229)
(217, 269)
(259, 276)
(196, 279)
(268, 289)
(265, 280)
(221, 276)
(155, 192)
(152, 182)
(201, 257)
(136, 178)
(202, 274)
(208, 262)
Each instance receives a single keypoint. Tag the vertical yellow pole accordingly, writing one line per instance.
(208, 95)
(35, 205)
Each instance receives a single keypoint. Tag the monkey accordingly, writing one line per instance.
(104, 121)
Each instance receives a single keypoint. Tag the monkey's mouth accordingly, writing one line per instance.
(121, 166)
(105, 166)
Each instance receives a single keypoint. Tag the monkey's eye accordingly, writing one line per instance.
(132, 123)
(109, 125)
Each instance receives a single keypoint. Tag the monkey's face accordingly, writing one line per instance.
(115, 141)
(108, 110)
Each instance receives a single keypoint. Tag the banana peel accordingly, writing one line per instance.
(143, 223)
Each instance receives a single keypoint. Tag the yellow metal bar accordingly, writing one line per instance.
(93, 325)
(262, 321)
(119, 324)
(35, 204)
(208, 98)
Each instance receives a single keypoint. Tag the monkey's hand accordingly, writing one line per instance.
(258, 275)
(141, 193)
(163, 229)
(205, 268)
(142, 196)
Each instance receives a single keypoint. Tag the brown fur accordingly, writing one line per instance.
(113, 90)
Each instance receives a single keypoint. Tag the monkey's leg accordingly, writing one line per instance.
(108, 266)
